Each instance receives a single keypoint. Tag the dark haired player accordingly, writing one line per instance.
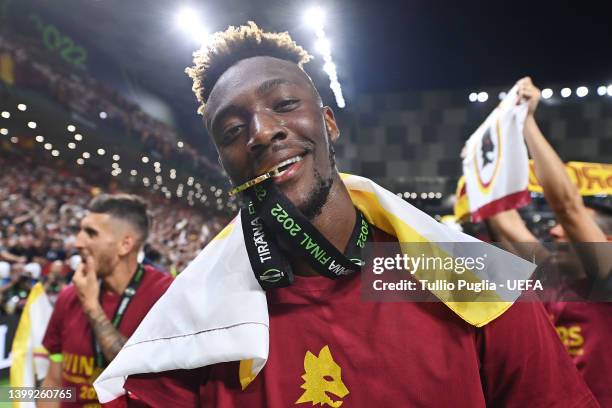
(111, 294)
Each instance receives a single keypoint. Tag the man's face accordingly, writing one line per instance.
(99, 237)
(264, 111)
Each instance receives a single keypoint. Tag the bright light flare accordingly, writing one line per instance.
(582, 91)
(315, 17)
(323, 46)
(188, 21)
(547, 93)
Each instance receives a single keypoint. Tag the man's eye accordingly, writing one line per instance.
(286, 105)
(231, 133)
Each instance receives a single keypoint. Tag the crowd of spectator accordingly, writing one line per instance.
(40, 212)
(35, 69)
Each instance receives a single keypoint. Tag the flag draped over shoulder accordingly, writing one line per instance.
(496, 165)
(30, 360)
(215, 311)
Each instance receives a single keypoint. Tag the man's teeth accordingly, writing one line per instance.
(276, 171)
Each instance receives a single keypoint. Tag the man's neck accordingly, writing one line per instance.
(336, 222)
(121, 276)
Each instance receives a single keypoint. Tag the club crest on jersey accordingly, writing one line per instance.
(322, 380)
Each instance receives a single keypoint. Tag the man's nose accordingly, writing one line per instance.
(264, 130)
(79, 242)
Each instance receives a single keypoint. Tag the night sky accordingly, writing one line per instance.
(422, 44)
(385, 46)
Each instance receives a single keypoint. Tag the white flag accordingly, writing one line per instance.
(496, 165)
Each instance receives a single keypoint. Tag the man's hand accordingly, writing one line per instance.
(86, 282)
(527, 91)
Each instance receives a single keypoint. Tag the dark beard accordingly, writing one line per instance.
(313, 207)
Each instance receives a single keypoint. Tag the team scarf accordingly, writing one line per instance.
(219, 310)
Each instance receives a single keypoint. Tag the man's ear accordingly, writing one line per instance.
(330, 124)
(127, 244)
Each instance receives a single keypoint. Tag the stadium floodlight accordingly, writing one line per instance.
(54, 153)
(601, 90)
(315, 17)
(4, 131)
(609, 90)
(566, 92)
(72, 145)
(423, 195)
(145, 159)
(14, 139)
(483, 96)
(115, 165)
(473, 97)
(80, 161)
(101, 152)
(86, 155)
(188, 21)
(582, 91)
(133, 172)
(39, 139)
(48, 146)
(323, 46)
(32, 125)
(547, 93)
(22, 107)
(78, 137)
(438, 195)
(103, 115)
(330, 69)
(116, 157)
(71, 128)
(5, 114)
(180, 144)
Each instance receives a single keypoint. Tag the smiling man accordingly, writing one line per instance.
(270, 313)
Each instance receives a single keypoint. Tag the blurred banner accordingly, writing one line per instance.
(590, 178)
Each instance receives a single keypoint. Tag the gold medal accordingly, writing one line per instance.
(250, 183)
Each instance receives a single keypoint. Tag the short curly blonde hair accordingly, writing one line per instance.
(235, 44)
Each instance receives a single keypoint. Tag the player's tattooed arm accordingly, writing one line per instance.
(108, 337)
